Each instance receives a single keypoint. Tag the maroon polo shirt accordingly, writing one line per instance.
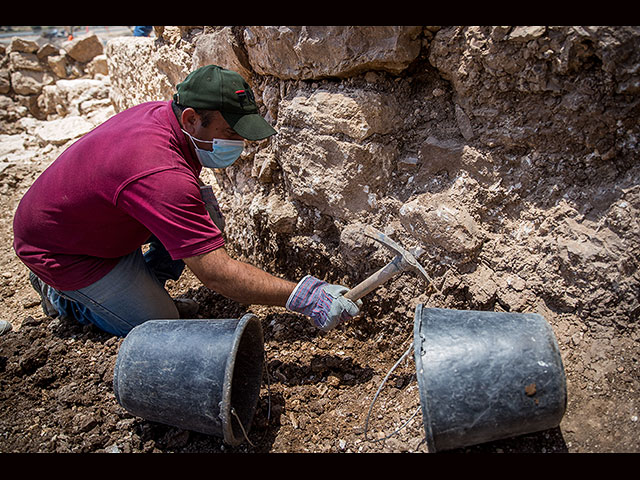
(104, 196)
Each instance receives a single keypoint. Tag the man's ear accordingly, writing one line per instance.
(189, 119)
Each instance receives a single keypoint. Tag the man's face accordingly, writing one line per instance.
(217, 128)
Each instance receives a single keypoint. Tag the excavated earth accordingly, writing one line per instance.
(56, 376)
(57, 393)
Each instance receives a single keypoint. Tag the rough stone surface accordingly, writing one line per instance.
(29, 68)
(307, 52)
(221, 48)
(141, 70)
(84, 48)
(60, 131)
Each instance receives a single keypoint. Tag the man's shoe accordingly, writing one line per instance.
(47, 307)
(5, 327)
(187, 308)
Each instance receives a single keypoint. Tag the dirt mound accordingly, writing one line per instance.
(57, 391)
(56, 378)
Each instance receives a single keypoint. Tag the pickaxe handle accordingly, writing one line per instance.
(375, 280)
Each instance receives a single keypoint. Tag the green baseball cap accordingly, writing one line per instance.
(215, 88)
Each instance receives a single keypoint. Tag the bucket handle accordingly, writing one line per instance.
(375, 397)
(233, 410)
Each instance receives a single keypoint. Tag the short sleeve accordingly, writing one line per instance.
(168, 203)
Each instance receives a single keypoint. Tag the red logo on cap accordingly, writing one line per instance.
(245, 95)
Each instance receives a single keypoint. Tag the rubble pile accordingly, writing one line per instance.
(34, 77)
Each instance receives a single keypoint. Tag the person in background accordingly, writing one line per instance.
(142, 31)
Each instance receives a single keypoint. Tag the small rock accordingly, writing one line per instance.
(20, 45)
(30, 302)
(84, 49)
(526, 33)
(34, 358)
(84, 422)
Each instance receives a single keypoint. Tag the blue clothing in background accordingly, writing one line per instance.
(142, 31)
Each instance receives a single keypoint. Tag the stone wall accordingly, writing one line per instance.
(508, 155)
(36, 77)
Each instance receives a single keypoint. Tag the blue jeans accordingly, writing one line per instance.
(130, 294)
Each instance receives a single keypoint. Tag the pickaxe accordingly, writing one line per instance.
(404, 261)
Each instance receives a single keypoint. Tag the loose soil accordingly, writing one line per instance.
(57, 394)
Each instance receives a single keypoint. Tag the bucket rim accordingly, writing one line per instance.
(417, 358)
(225, 413)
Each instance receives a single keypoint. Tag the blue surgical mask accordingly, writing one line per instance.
(223, 153)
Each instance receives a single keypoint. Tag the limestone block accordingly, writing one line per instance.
(307, 52)
(58, 65)
(28, 82)
(21, 45)
(83, 49)
(436, 220)
(47, 49)
(141, 71)
(325, 150)
(60, 131)
(339, 178)
(66, 96)
(357, 114)
(24, 61)
(221, 48)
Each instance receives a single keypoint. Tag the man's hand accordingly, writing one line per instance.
(324, 303)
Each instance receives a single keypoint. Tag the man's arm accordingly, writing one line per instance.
(239, 281)
(323, 303)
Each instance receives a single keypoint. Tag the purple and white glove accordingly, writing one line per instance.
(322, 302)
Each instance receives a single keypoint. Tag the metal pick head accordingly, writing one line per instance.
(384, 240)
(408, 257)
(423, 272)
